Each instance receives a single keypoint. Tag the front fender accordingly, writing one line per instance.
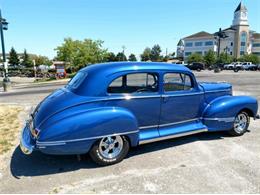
(89, 126)
(220, 113)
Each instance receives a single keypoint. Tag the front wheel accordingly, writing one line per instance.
(241, 124)
(109, 150)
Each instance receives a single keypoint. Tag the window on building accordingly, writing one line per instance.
(135, 83)
(256, 53)
(188, 44)
(176, 82)
(243, 40)
(231, 44)
(198, 44)
(208, 43)
(256, 44)
(187, 53)
(231, 53)
(199, 52)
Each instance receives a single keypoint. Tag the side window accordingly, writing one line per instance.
(176, 82)
(135, 83)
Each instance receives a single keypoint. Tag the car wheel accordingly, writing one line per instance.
(198, 69)
(241, 124)
(109, 150)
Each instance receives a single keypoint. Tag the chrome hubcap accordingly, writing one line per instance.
(111, 146)
(240, 123)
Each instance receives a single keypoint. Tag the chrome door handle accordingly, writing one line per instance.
(165, 98)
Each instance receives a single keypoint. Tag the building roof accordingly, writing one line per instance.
(240, 7)
(230, 28)
(199, 35)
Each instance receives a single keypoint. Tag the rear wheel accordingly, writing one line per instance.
(241, 124)
(109, 150)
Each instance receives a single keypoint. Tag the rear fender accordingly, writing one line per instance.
(90, 126)
(221, 112)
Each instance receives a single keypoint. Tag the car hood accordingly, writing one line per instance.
(57, 101)
(215, 89)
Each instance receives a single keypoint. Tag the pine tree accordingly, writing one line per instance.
(13, 57)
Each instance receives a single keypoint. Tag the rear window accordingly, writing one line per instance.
(76, 80)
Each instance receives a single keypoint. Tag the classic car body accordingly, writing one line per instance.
(131, 103)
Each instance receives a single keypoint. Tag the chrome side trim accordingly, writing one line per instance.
(63, 142)
(172, 136)
(147, 127)
(227, 120)
(168, 124)
(185, 94)
(214, 91)
(180, 122)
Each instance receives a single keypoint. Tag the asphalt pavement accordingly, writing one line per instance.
(202, 163)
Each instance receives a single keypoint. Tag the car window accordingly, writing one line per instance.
(135, 83)
(176, 82)
(76, 80)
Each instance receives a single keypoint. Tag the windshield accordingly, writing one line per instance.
(76, 80)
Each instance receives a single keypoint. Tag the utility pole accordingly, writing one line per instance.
(123, 47)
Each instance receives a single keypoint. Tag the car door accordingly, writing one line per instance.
(139, 93)
(181, 103)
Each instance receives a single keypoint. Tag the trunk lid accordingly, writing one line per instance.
(215, 89)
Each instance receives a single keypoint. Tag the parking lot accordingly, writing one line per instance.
(202, 163)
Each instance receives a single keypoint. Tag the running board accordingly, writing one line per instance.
(172, 136)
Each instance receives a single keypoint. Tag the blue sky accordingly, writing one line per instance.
(41, 25)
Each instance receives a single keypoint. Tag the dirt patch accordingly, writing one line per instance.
(10, 126)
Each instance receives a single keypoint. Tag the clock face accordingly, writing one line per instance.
(243, 14)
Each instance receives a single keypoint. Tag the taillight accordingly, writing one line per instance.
(35, 132)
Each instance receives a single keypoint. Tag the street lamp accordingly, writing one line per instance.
(220, 35)
(4, 26)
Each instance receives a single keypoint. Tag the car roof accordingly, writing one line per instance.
(98, 76)
(114, 67)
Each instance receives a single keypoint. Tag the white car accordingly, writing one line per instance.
(232, 65)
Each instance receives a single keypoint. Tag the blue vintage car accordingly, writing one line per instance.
(108, 108)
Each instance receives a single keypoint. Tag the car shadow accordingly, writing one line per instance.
(38, 164)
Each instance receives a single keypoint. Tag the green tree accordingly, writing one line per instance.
(195, 57)
(249, 58)
(156, 53)
(81, 53)
(41, 60)
(224, 58)
(210, 58)
(110, 57)
(26, 60)
(132, 58)
(146, 55)
(121, 57)
(13, 57)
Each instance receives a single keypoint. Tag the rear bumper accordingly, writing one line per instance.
(27, 143)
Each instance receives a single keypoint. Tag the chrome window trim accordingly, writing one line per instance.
(172, 136)
(63, 142)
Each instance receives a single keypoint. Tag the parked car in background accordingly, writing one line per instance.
(232, 65)
(196, 66)
(245, 66)
(107, 108)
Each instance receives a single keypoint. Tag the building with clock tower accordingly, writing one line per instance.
(240, 39)
(242, 33)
